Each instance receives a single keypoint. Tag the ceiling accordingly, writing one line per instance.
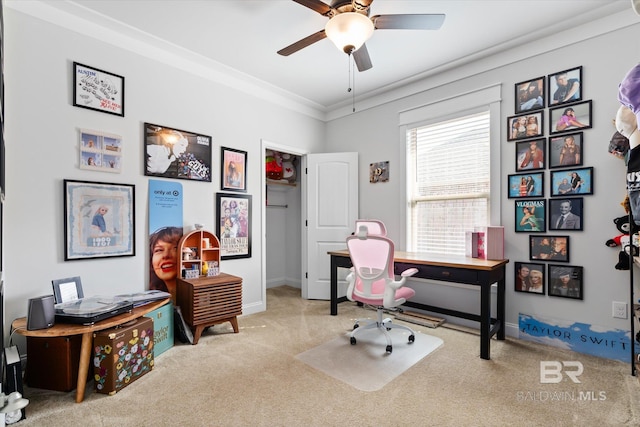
(243, 36)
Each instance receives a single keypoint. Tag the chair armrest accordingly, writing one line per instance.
(409, 272)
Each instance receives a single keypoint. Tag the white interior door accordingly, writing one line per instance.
(331, 208)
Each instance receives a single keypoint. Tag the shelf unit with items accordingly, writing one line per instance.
(199, 253)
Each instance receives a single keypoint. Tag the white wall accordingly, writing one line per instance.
(374, 132)
(42, 149)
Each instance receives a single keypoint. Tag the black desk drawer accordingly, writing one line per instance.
(448, 274)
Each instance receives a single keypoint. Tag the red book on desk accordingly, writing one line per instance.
(493, 243)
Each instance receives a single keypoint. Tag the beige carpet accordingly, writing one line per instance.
(366, 365)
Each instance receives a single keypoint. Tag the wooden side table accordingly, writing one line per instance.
(208, 301)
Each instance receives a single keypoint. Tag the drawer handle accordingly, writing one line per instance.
(446, 273)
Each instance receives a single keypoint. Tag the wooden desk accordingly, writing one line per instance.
(68, 329)
(460, 269)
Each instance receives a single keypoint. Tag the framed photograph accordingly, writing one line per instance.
(530, 95)
(98, 90)
(530, 154)
(178, 154)
(233, 225)
(549, 248)
(565, 150)
(565, 281)
(531, 216)
(565, 86)
(233, 175)
(529, 277)
(566, 214)
(99, 220)
(572, 182)
(570, 117)
(69, 289)
(100, 151)
(525, 126)
(526, 185)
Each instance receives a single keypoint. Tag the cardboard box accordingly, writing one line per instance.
(162, 328)
(122, 354)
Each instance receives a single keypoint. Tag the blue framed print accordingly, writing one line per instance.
(526, 185)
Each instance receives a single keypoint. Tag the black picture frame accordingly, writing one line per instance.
(233, 173)
(530, 216)
(233, 225)
(531, 154)
(98, 90)
(575, 222)
(530, 95)
(565, 150)
(523, 278)
(69, 289)
(561, 116)
(566, 281)
(579, 182)
(549, 248)
(525, 185)
(554, 84)
(518, 126)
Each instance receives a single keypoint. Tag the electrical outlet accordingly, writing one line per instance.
(619, 309)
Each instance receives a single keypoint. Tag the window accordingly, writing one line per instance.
(448, 182)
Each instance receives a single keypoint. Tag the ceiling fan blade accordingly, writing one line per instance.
(362, 59)
(408, 22)
(316, 5)
(300, 44)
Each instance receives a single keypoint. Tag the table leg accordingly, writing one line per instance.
(334, 286)
(501, 308)
(485, 320)
(83, 369)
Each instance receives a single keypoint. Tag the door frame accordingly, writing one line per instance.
(264, 146)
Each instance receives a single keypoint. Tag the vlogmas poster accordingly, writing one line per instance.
(165, 231)
(173, 153)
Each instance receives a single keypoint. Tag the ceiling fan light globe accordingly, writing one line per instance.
(349, 31)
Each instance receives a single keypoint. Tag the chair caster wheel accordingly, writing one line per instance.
(412, 338)
(389, 349)
(353, 340)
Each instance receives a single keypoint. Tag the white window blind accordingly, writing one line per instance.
(448, 182)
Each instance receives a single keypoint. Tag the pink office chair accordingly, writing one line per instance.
(372, 282)
(375, 227)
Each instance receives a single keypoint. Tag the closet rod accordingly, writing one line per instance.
(278, 206)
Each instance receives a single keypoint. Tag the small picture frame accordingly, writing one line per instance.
(565, 86)
(530, 95)
(525, 126)
(98, 90)
(549, 248)
(566, 214)
(566, 281)
(529, 277)
(530, 216)
(65, 290)
(572, 182)
(233, 225)
(525, 185)
(565, 150)
(570, 117)
(530, 154)
(100, 151)
(233, 174)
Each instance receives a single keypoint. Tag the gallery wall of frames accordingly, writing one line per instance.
(548, 131)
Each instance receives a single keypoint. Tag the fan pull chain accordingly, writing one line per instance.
(352, 82)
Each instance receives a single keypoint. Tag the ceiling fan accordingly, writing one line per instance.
(349, 27)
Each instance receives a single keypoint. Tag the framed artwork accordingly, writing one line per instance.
(100, 151)
(549, 248)
(530, 95)
(379, 172)
(65, 290)
(99, 220)
(531, 216)
(526, 185)
(525, 126)
(529, 277)
(565, 281)
(233, 174)
(530, 154)
(570, 117)
(98, 90)
(566, 214)
(565, 150)
(572, 182)
(178, 154)
(233, 225)
(565, 86)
